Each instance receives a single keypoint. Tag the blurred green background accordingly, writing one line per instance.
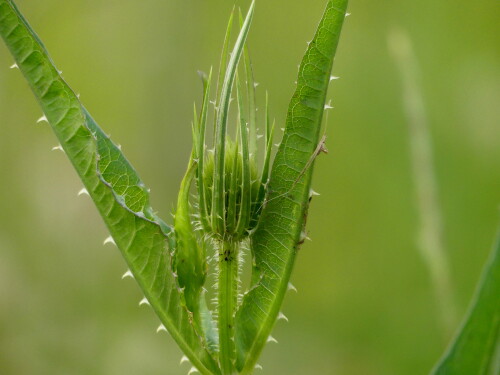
(365, 303)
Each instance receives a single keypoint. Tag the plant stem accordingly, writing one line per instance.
(227, 300)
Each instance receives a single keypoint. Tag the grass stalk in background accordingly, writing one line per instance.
(475, 349)
(430, 238)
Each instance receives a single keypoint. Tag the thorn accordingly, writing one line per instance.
(312, 193)
(119, 147)
(109, 240)
(57, 148)
(328, 105)
(160, 328)
(59, 71)
(272, 339)
(184, 359)
(256, 84)
(258, 367)
(42, 119)
(303, 237)
(145, 301)
(291, 287)
(83, 191)
(14, 66)
(282, 316)
(127, 274)
(347, 14)
(333, 78)
(277, 145)
(193, 370)
(259, 136)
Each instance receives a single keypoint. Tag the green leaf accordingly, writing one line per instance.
(278, 234)
(223, 63)
(218, 198)
(246, 200)
(113, 184)
(252, 107)
(476, 348)
(200, 152)
(189, 258)
(268, 144)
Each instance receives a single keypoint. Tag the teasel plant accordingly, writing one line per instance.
(236, 201)
(228, 206)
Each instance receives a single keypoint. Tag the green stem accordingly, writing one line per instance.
(227, 302)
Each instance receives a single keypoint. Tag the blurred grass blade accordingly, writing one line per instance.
(119, 194)
(277, 236)
(430, 237)
(476, 348)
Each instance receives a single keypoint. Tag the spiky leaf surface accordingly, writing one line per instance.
(117, 191)
(276, 239)
(476, 349)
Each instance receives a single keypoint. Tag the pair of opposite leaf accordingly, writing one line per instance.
(237, 205)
